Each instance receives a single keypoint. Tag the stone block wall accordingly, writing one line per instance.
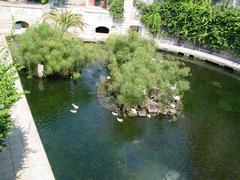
(77, 2)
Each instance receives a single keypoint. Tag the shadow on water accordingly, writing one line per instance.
(202, 144)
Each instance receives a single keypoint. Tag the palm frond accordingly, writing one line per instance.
(65, 19)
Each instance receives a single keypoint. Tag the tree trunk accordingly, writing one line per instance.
(40, 69)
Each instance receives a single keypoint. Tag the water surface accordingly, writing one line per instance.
(204, 142)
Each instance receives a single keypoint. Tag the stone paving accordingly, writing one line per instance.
(13, 157)
(24, 157)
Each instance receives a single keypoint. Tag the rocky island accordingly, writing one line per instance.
(141, 81)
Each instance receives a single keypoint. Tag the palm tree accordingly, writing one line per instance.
(65, 19)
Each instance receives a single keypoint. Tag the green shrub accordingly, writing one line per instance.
(44, 1)
(8, 94)
(59, 52)
(136, 70)
(116, 9)
(214, 27)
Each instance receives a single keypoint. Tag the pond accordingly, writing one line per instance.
(203, 143)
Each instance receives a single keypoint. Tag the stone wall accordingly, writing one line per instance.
(28, 13)
(15, 1)
(25, 157)
(77, 2)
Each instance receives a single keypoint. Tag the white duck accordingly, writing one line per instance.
(73, 111)
(115, 114)
(119, 120)
(176, 98)
(75, 106)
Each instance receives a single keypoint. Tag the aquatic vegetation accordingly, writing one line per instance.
(59, 52)
(141, 77)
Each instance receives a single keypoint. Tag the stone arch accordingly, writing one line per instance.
(136, 28)
(21, 24)
(102, 29)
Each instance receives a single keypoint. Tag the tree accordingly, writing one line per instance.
(138, 72)
(61, 53)
(65, 19)
(116, 9)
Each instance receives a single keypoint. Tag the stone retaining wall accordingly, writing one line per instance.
(25, 157)
(29, 13)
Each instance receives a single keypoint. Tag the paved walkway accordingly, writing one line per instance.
(24, 158)
(198, 54)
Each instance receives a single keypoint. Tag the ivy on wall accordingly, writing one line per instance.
(214, 27)
(116, 9)
(8, 94)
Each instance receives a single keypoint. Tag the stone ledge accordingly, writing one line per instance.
(25, 151)
(24, 5)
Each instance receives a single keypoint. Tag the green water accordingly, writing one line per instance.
(204, 142)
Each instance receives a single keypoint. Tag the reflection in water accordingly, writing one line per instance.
(216, 84)
(40, 85)
(202, 144)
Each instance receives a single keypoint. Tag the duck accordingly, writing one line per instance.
(75, 106)
(119, 120)
(115, 114)
(176, 98)
(73, 111)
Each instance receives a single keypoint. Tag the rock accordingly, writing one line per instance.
(164, 112)
(131, 113)
(142, 113)
(173, 106)
(153, 107)
(149, 116)
(172, 111)
(133, 110)
(152, 110)
(154, 115)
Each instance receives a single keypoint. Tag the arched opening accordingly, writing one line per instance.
(21, 24)
(102, 29)
(101, 3)
(136, 28)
